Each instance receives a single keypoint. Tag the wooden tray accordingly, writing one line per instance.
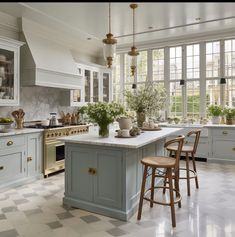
(151, 129)
(125, 137)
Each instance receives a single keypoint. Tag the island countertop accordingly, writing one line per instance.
(143, 139)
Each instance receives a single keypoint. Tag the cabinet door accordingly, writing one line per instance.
(108, 178)
(34, 154)
(106, 86)
(79, 182)
(9, 81)
(223, 149)
(95, 86)
(87, 76)
(12, 164)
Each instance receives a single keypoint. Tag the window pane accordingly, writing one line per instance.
(142, 66)
(127, 69)
(116, 70)
(158, 64)
(175, 63)
(212, 92)
(193, 99)
(176, 107)
(230, 92)
(229, 57)
(212, 59)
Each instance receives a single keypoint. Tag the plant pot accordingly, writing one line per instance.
(229, 121)
(215, 120)
(104, 130)
(125, 123)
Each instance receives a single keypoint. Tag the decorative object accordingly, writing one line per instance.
(215, 111)
(18, 115)
(133, 53)
(103, 114)
(125, 123)
(147, 100)
(229, 114)
(109, 44)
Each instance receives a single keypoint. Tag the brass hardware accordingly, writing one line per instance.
(234, 149)
(29, 158)
(9, 143)
(1, 167)
(94, 172)
(225, 132)
(90, 170)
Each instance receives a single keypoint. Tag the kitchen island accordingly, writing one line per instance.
(103, 175)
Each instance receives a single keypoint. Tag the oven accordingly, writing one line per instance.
(54, 150)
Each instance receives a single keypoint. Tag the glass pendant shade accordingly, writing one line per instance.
(109, 48)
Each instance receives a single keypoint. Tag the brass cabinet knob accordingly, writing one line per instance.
(234, 149)
(9, 143)
(90, 170)
(29, 158)
(1, 167)
(225, 132)
(94, 172)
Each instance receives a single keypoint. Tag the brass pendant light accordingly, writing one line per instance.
(133, 53)
(109, 44)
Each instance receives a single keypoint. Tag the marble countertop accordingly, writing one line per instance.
(144, 138)
(182, 125)
(218, 126)
(20, 131)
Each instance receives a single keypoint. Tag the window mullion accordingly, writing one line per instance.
(203, 79)
(184, 96)
(222, 66)
(167, 79)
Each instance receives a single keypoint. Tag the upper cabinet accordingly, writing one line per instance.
(96, 85)
(9, 71)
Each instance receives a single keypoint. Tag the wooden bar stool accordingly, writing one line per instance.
(187, 150)
(171, 167)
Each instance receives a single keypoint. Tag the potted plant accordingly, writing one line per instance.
(103, 114)
(146, 100)
(229, 114)
(215, 111)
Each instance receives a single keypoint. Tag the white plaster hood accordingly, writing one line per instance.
(45, 62)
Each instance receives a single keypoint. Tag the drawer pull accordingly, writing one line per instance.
(90, 170)
(94, 172)
(234, 149)
(225, 132)
(29, 158)
(9, 143)
(1, 167)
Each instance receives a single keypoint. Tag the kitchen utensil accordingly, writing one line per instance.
(53, 119)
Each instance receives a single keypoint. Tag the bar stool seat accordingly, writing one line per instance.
(188, 150)
(171, 167)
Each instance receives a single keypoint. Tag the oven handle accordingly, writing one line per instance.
(55, 143)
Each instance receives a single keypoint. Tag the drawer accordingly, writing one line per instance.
(12, 141)
(224, 132)
(224, 149)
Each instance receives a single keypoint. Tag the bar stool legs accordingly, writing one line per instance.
(152, 186)
(195, 170)
(187, 173)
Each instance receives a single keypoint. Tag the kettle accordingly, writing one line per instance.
(53, 120)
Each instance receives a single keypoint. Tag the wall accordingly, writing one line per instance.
(37, 102)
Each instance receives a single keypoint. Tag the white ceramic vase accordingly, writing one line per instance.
(215, 120)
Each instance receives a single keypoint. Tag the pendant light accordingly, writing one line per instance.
(133, 53)
(109, 44)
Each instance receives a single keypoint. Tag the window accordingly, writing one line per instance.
(142, 66)
(158, 64)
(176, 63)
(116, 79)
(230, 93)
(193, 82)
(176, 99)
(127, 70)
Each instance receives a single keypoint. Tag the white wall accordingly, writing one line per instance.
(37, 102)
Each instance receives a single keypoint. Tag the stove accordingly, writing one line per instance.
(54, 152)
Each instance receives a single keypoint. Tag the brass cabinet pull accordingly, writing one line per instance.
(29, 158)
(234, 149)
(90, 170)
(94, 172)
(225, 132)
(1, 167)
(9, 143)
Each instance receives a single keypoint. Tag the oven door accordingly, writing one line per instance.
(54, 156)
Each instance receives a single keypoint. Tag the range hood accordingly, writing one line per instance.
(45, 62)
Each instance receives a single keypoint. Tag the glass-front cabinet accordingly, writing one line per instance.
(95, 86)
(9, 72)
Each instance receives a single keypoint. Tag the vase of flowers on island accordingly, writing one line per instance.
(146, 100)
(103, 114)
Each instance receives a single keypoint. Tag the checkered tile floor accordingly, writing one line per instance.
(36, 210)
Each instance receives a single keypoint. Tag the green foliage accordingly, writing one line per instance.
(214, 110)
(229, 112)
(148, 98)
(104, 113)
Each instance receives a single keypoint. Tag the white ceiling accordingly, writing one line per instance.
(85, 20)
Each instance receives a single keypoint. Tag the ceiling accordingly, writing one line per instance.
(90, 20)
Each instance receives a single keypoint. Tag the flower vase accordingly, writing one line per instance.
(104, 130)
(140, 119)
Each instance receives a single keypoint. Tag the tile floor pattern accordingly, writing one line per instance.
(36, 210)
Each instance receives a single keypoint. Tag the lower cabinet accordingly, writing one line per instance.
(88, 176)
(20, 159)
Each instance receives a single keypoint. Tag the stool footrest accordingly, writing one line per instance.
(190, 177)
(177, 199)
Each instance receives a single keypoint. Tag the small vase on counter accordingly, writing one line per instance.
(103, 130)
(19, 118)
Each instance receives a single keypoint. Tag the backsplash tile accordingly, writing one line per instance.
(38, 103)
